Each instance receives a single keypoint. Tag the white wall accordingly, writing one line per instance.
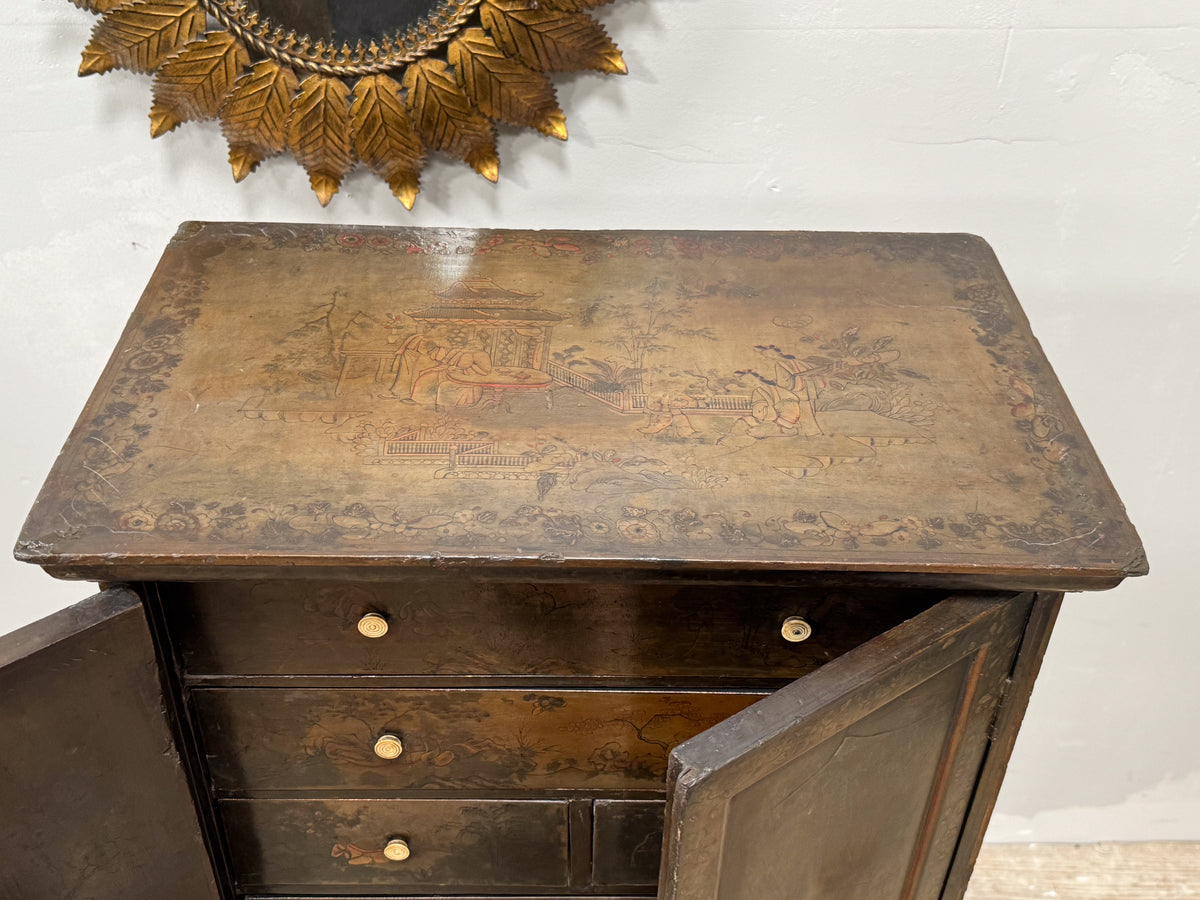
(1067, 132)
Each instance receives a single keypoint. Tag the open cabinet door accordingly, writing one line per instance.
(93, 800)
(853, 782)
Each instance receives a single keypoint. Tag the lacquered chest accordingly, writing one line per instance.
(607, 564)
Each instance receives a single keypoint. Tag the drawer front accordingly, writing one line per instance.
(446, 629)
(283, 739)
(484, 846)
(627, 841)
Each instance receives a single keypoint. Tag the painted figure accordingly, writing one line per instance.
(784, 406)
(417, 357)
(471, 360)
(667, 410)
(426, 361)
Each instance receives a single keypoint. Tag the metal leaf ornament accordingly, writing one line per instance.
(254, 115)
(384, 137)
(441, 85)
(318, 133)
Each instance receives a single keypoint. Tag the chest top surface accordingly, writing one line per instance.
(292, 395)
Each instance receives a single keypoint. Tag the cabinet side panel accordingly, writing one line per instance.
(94, 801)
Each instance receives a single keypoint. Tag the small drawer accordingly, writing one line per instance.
(284, 739)
(627, 837)
(436, 629)
(315, 846)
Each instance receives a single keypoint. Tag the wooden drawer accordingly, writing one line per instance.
(441, 629)
(323, 845)
(280, 739)
(626, 842)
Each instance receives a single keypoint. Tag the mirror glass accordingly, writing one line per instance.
(345, 21)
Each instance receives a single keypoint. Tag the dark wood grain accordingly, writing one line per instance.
(186, 733)
(1004, 738)
(482, 740)
(853, 782)
(716, 571)
(581, 824)
(530, 629)
(93, 802)
(456, 846)
(626, 842)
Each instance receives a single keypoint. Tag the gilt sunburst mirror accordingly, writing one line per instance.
(339, 82)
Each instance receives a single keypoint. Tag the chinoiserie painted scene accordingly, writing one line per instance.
(741, 396)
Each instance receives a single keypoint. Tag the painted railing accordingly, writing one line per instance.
(434, 448)
(512, 461)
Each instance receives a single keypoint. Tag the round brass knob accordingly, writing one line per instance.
(388, 746)
(795, 629)
(372, 625)
(396, 850)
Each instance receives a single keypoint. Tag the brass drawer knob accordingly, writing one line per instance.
(372, 625)
(388, 746)
(795, 629)
(396, 850)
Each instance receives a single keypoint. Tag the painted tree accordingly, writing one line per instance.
(644, 330)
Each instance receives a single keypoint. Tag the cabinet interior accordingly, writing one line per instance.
(546, 711)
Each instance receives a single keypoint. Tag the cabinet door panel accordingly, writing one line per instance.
(852, 782)
(93, 800)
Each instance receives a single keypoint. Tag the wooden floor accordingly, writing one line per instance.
(1152, 871)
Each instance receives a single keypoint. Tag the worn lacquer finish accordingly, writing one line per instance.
(301, 395)
(852, 783)
(453, 739)
(442, 630)
(626, 842)
(94, 800)
(454, 845)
